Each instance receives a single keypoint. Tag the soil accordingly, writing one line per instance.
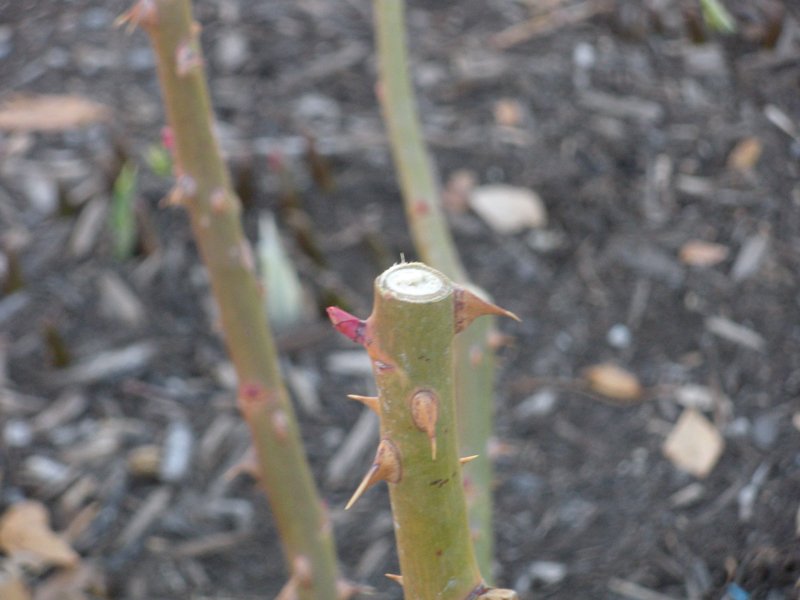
(639, 137)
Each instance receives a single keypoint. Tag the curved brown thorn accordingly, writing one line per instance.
(425, 413)
(470, 306)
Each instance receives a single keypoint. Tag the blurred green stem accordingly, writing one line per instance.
(474, 357)
(203, 187)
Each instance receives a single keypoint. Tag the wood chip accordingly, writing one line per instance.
(118, 301)
(697, 253)
(698, 397)
(213, 543)
(632, 590)
(343, 467)
(694, 444)
(88, 227)
(68, 406)
(82, 583)
(508, 209)
(150, 510)
(108, 364)
(455, 195)
(733, 332)
(750, 257)
(25, 532)
(687, 495)
(508, 112)
(623, 107)
(303, 384)
(613, 381)
(745, 154)
(50, 113)
(549, 22)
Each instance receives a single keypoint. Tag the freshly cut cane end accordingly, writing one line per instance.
(425, 413)
(385, 467)
(395, 578)
(414, 282)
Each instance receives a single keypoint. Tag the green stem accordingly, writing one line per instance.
(204, 188)
(413, 325)
(475, 359)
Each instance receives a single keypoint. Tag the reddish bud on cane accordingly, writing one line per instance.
(348, 325)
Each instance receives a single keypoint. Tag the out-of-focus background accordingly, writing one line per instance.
(619, 173)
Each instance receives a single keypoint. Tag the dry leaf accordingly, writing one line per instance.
(694, 444)
(745, 154)
(698, 253)
(50, 113)
(13, 588)
(613, 381)
(25, 529)
(508, 209)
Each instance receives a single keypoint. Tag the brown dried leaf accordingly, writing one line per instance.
(698, 253)
(50, 113)
(25, 529)
(745, 154)
(13, 588)
(694, 444)
(613, 381)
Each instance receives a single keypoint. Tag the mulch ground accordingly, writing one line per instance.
(667, 157)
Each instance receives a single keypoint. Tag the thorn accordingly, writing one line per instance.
(168, 138)
(280, 424)
(348, 325)
(301, 571)
(184, 190)
(288, 591)
(425, 413)
(248, 464)
(371, 402)
(469, 307)
(246, 254)
(218, 200)
(467, 459)
(395, 578)
(347, 589)
(142, 13)
(253, 392)
(385, 467)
